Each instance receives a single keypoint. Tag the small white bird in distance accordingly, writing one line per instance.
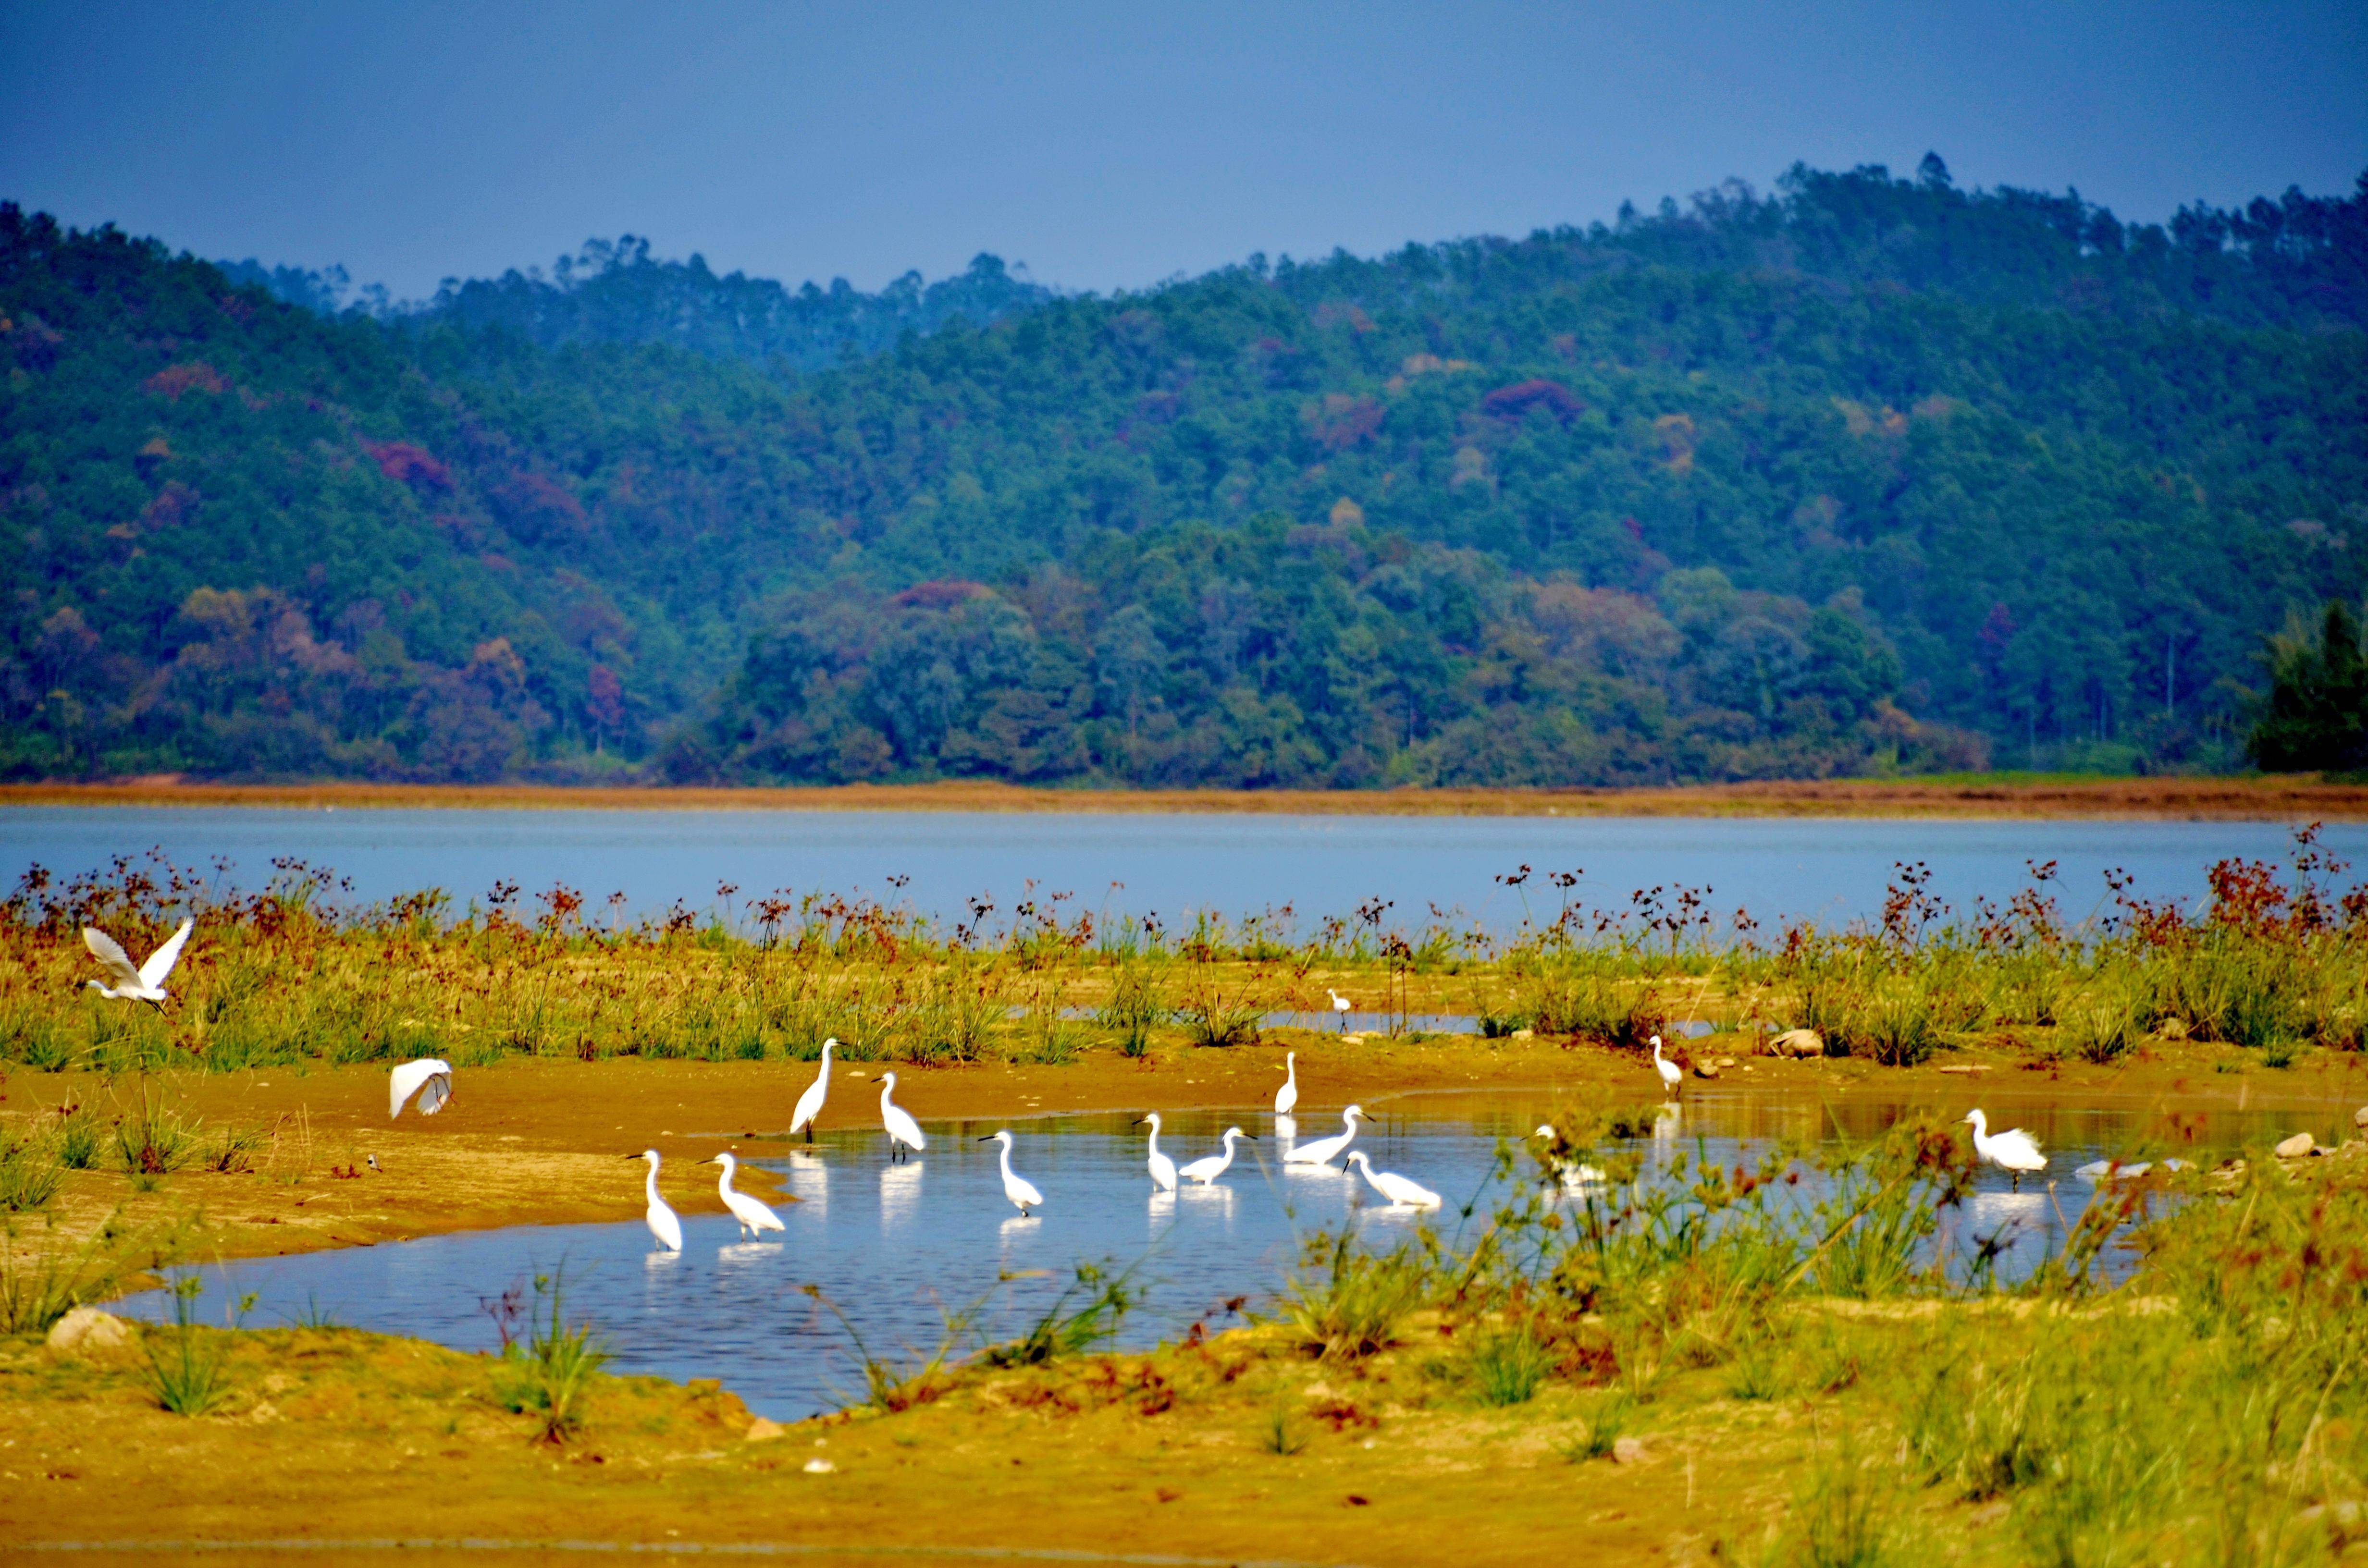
(902, 1130)
(810, 1104)
(1339, 1008)
(1287, 1097)
(662, 1221)
(2014, 1151)
(1016, 1188)
(1396, 1188)
(1210, 1168)
(430, 1077)
(1672, 1076)
(1323, 1150)
(1163, 1169)
(144, 983)
(754, 1216)
(1570, 1175)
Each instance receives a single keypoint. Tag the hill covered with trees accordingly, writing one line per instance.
(1869, 474)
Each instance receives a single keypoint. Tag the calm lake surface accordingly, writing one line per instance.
(1166, 864)
(900, 1247)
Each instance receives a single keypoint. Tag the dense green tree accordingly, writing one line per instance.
(2315, 715)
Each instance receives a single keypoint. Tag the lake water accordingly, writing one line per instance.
(899, 1248)
(1166, 864)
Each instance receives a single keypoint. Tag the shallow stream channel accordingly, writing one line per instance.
(926, 1253)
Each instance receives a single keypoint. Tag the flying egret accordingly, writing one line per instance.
(1211, 1167)
(1287, 1097)
(810, 1103)
(1672, 1076)
(754, 1217)
(903, 1132)
(1163, 1169)
(430, 1077)
(1570, 1175)
(1016, 1188)
(664, 1223)
(2014, 1151)
(1339, 1008)
(1323, 1150)
(1396, 1188)
(144, 983)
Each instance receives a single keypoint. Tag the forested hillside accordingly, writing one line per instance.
(1872, 475)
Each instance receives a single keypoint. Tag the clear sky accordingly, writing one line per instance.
(1108, 145)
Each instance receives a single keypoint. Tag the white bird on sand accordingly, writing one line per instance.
(903, 1132)
(1163, 1169)
(1339, 1008)
(662, 1221)
(1396, 1188)
(1209, 1168)
(755, 1217)
(144, 983)
(1016, 1188)
(1287, 1097)
(1672, 1076)
(1323, 1150)
(2014, 1151)
(1571, 1175)
(430, 1077)
(810, 1103)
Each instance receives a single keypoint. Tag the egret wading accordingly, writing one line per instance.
(1016, 1188)
(1287, 1097)
(754, 1216)
(903, 1132)
(810, 1104)
(1163, 1169)
(1572, 1178)
(2013, 1151)
(662, 1221)
(1210, 1168)
(430, 1077)
(1672, 1076)
(1324, 1149)
(144, 983)
(1339, 1008)
(1400, 1191)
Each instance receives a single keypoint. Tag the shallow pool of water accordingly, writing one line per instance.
(901, 1248)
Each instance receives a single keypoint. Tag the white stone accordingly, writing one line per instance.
(87, 1331)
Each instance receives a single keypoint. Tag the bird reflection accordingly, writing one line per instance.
(809, 1181)
(900, 1192)
(1022, 1225)
(1286, 1130)
(1218, 1201)
(738, 1255)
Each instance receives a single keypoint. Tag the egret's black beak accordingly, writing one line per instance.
(988, 1138)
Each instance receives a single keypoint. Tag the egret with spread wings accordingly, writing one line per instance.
(144, 983)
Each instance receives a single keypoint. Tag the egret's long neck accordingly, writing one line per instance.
(650, 1182)
(1290, 1073)
(723, 1182)
(1155, 1139)
(1005, 1155)
(822, 1077)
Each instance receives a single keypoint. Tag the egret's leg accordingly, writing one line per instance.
(810, 1129)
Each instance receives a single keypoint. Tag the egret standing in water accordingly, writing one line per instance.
(1210, 1168)
(1323, 1150)
(1396, 1188)
(755, 1217)
(429, 1078)
(144, 983)
(664, 1223)
(810, 1103)
(2014, 1151)
(1287, 1097)
(1572, 1177)
(903, 1132)
(1163, 1169)
(1339, 1008)
(1672, 1076)
(1016, 1188)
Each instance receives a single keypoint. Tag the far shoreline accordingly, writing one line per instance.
(2014, 797)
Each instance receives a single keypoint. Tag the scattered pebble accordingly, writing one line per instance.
(1628, 1450)
(819, 1466)
(2300, 1146)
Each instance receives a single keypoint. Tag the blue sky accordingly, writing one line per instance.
(1108, 146)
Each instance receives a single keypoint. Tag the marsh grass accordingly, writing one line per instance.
(1601, 1422)
(1088, 1312)
(1509, 1365)
(1347, 1302)
(30, 1174)
(188, 1365)
(550, 1375)
(1136, 1005)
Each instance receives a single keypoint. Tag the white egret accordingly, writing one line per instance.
(143, 984)
(2014, 1151)
(1672, 1076)
(1287, 1097)
(1016, 1188)
(754, 1216)
(2103, 1172)
(1323, 1150)
(662, 1221)
(903, 1132)
(1211, 1167)
(1570, 1175)
(430, 1077)
(810, 1103)
(1339, 1008)
(1396, 1188)
(1163, 1169)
